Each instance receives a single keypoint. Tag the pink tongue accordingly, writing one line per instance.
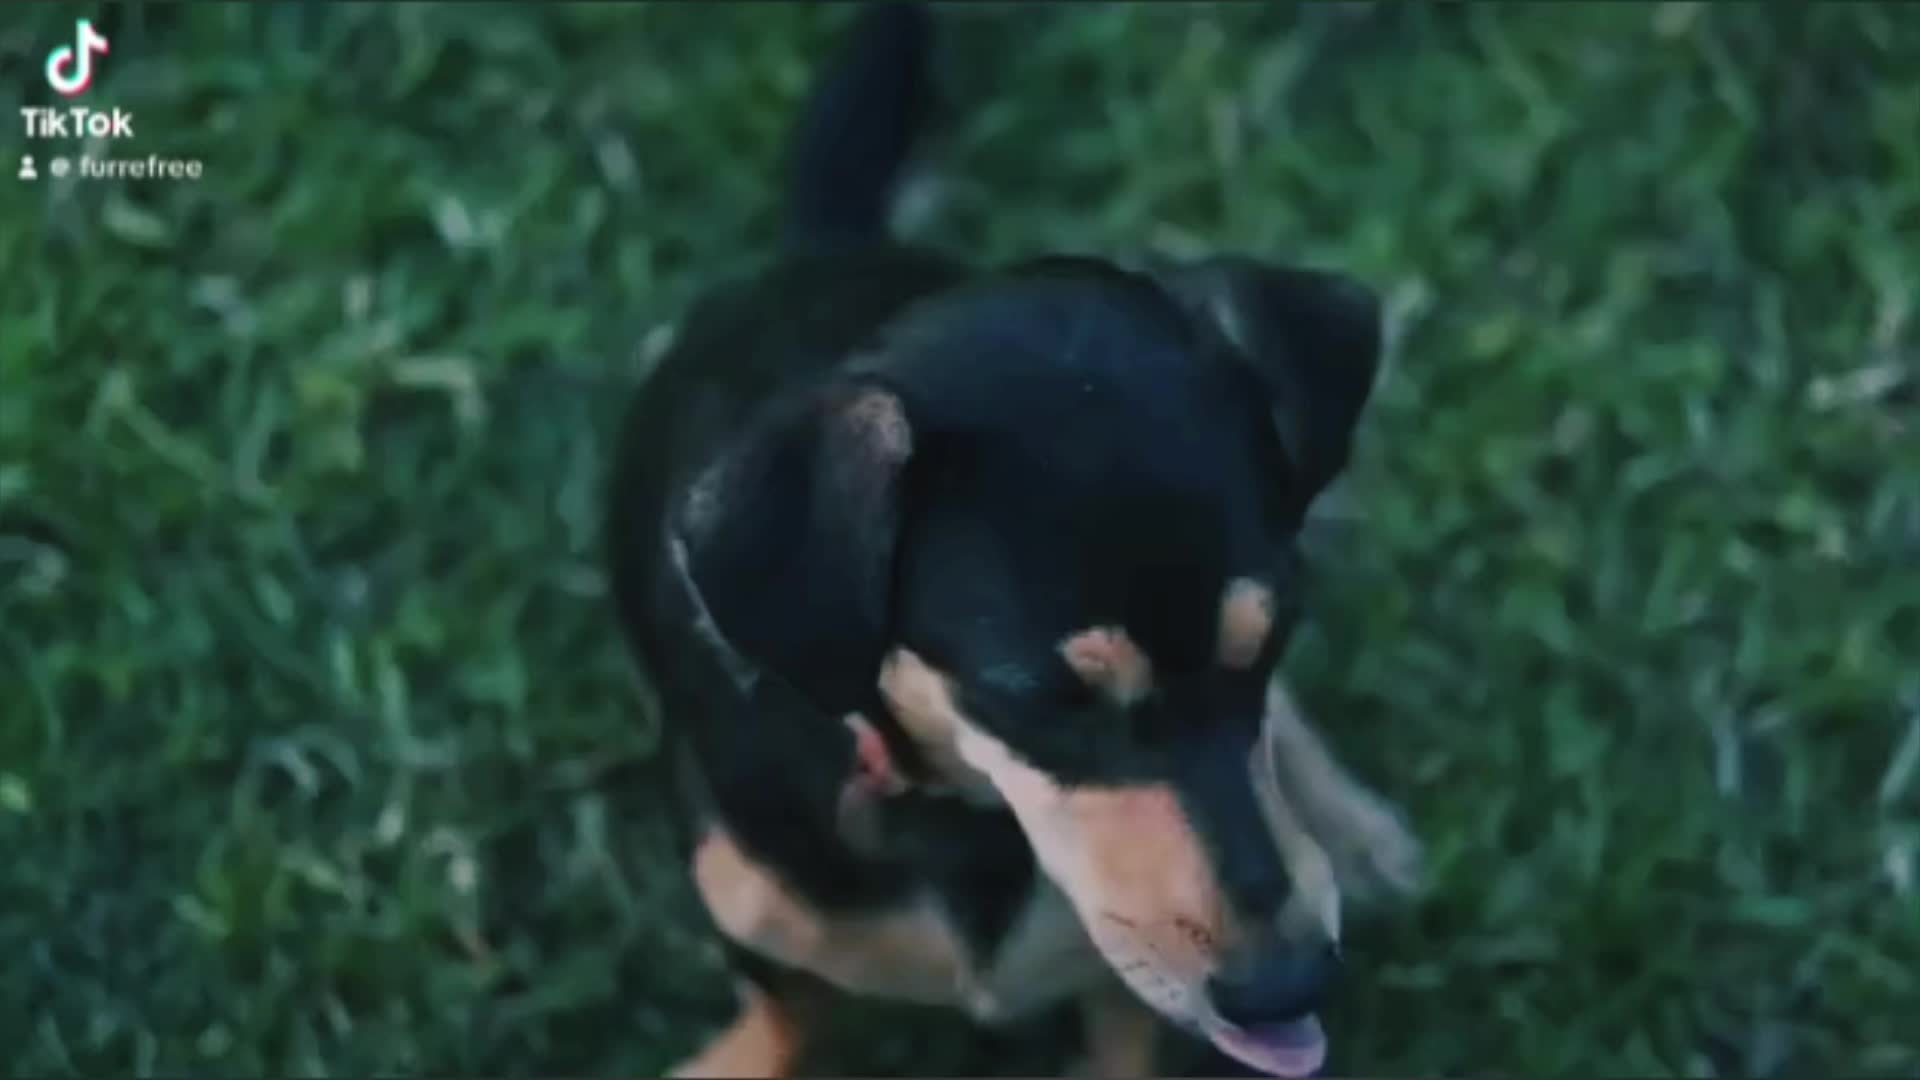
(1296, 1048)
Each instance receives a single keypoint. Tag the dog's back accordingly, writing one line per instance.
(837, 276)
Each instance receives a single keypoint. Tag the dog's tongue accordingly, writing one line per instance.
(1294, 1048)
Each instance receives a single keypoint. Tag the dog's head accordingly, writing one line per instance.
(1051, 517)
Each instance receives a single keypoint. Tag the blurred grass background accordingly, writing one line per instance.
(317, 750)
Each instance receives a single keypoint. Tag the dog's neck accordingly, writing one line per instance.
(750, 678)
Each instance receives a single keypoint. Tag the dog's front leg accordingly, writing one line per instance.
(1375, 856)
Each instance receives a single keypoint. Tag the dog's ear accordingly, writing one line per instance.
(792, 538)
(1311, 338)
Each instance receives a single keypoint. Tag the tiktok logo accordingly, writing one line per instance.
(70, 67)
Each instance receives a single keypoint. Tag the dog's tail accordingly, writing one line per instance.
(854, 136)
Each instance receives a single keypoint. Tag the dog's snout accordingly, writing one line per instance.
(1278, 982)
(1214, 783)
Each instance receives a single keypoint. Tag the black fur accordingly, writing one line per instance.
(1311, 339)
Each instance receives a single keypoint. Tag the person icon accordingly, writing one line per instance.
(26, 168)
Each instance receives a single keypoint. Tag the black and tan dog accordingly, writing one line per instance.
(963, 593)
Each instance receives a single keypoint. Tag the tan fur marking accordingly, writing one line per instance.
(765, 1039)
(923, 703)
(909, 953)
(748, 905)
(1246, 618)
(1107, 659)
(1135, 871)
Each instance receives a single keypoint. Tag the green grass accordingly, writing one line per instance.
(317, 750)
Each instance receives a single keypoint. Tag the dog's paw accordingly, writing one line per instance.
(1376, 857)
